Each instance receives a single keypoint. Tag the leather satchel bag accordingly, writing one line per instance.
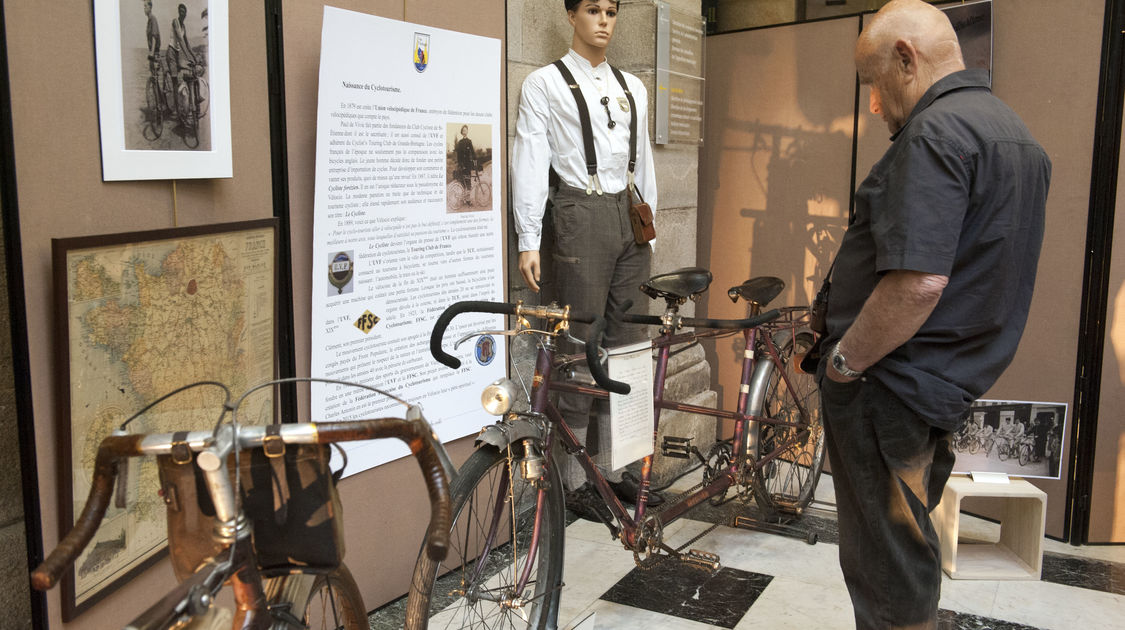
(288, 494)
(640, 216)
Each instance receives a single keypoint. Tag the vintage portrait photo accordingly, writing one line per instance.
(468, 167)
(1022, 439)
(163, 88)
(164, 74)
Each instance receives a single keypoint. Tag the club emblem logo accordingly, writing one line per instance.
(366, 321)
(485, 349)
(340, 271)
(421, 51)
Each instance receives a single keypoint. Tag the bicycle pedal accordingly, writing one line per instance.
(701, 559)
(677, 447)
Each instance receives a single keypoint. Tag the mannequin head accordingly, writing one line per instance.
(593, 22)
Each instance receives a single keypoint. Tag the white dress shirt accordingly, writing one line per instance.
(549, 134)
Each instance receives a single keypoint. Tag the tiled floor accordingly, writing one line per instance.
(781, 582)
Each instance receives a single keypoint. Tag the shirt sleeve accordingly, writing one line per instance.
(645, 170)
(927, 199)
(531, 163)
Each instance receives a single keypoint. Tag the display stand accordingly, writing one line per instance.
(1019, 553)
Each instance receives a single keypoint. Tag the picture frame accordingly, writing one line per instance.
(163, 115)
(142, 314)
(1033, 447)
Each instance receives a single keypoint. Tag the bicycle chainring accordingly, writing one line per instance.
(717, 464)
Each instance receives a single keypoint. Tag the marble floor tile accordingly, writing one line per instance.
(793, 604)
(1046, 605)
(611, 616)
(590, 569)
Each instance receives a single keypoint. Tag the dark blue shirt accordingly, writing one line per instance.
(961, 192)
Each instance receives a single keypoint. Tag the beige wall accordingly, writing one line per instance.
(797, 80)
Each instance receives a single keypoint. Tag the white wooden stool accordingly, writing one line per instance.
(1019, 553)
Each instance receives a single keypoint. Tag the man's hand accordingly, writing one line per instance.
(529, 269)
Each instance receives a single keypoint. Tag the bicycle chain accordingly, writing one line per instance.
(654, 560)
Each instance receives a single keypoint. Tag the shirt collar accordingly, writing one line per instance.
(583, 62)
(970, 78)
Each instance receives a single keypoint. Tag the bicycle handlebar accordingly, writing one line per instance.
(415, 433)
(543, 312)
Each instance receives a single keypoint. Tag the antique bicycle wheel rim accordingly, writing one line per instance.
(319, 601)
(482, 195)
(787, 483)
(155, 120)
(464, 592)
(454, 194)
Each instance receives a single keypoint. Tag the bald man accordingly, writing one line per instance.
(930, 294)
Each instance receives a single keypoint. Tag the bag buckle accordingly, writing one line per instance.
(181, 450)
(272, 444)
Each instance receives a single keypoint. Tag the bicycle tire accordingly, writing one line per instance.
(1024, 454)
(1002, 450)
(787, 484)
(451, 594)
(319, 601)
(974, 446)
(454, 194)
(482, 195)
(155, 118)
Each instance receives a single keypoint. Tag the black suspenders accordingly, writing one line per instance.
(588, 131)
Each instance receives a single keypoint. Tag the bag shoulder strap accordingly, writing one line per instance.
(587, 130)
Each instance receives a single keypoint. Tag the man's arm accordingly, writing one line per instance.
(531, 162)
(892, 314)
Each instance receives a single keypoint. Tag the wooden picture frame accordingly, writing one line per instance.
(139, 315)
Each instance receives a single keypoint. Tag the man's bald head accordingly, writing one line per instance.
(906, 47)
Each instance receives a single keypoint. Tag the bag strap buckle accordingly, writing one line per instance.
(181, 450)
(272, 444)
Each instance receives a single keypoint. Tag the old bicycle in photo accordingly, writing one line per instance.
(183, 102)
(477, 194)
(505, 565)
(254, 507)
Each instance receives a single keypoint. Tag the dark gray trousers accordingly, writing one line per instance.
(889, 468)
(597, 267)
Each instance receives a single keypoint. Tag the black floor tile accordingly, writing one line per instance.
(676, 589)
(1098, 575)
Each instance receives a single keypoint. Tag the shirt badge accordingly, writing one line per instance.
(623, 102)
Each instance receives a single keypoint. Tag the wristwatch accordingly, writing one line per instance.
(840, 364)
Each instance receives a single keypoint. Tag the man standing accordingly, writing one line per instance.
(466, 160)
(152, 35)
(930, 294)
(179, 58)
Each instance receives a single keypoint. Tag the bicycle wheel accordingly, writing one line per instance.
(787, 483)
(155, 120)
(1002, 450)
(974, 446)
(1025, 454)
(454, 193)
(475, 586)
(319, 602)
(482, 195)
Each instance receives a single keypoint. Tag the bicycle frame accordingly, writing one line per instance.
(751, 394)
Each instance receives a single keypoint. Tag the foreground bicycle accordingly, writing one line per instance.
(505, 566)
(228, 461)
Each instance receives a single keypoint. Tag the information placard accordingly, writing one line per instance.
(406, 222)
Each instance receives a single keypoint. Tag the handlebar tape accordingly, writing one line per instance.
(597, 370)
(447, 316)
(112, 448)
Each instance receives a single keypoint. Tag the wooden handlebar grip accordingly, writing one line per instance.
(112, 448)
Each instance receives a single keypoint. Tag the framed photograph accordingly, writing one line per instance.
(142, 315)
(163, 88)
(1017, 438)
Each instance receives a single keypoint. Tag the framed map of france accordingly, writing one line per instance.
(143, 314)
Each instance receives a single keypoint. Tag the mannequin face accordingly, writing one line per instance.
(593, 22)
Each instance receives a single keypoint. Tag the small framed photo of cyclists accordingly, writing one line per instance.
(163, 88)
(1017, 438)
(142, 314)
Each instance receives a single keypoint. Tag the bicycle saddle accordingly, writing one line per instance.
(679, 285)
(758, 290)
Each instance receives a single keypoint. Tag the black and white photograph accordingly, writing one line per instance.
(1022, 439)
(163, 88)
(164, 74)
(468, 170)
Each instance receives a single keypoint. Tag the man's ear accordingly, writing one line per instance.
(906, 57)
